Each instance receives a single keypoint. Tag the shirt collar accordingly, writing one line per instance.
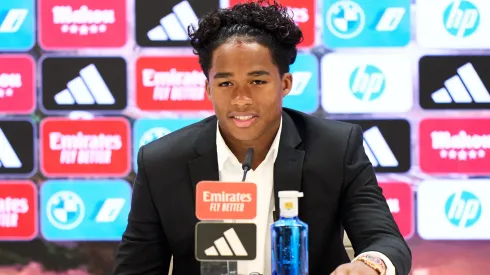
(225, 154)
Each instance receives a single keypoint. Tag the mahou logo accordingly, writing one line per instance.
(96, 147)
(171, 83)
(17, 87)
(18, 210)
(82, 23)
(399, 197)
(455, 146)
(303, 13)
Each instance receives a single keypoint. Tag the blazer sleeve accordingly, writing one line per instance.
(144, 247)
(365, 214)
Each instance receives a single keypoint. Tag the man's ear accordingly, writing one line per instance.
(208, 90)
(287, 84)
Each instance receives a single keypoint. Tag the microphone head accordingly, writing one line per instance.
(247, 163)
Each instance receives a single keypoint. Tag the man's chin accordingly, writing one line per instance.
(245, 135)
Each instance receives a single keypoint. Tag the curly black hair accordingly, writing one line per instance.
(269, 24)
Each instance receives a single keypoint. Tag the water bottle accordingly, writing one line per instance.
(289, 236)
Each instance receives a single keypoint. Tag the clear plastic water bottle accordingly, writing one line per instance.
(289, 236)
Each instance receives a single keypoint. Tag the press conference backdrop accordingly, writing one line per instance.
(85, 83)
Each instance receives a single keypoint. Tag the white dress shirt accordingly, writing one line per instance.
(230, 170)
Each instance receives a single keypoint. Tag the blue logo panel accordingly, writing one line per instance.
(304, 95)
(148, 130)
(17, 25)
(366, 23)
(84, 210)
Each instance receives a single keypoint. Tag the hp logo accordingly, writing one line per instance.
(367, 82)
(463, 209)
(461, 18)
(345, 19)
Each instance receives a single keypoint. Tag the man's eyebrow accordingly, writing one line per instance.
(228, 74)
(259, 73)
(222, 75)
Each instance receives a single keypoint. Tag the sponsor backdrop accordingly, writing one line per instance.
(85, 83)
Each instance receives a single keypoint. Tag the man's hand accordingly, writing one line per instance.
(355, 268)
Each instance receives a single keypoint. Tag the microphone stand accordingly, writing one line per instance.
(246, 166)
(232, 266)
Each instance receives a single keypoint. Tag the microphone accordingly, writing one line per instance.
(247, 163)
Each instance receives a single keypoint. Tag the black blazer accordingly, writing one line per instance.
(324, 159)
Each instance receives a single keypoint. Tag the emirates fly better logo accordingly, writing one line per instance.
(18, 210)
(170, 83)
(98, 147)
(455, 146)
(82, 23)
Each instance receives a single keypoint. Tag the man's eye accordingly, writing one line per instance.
(224, 84)
(258, 82)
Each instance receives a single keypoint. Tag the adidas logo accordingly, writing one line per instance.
(465, 87)
(229, 245)
(87, 89)
(377, 150)
(13, 20)
(174, 26)
(301, 80)
(8, 157)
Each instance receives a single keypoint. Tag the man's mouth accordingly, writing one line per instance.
(243, 117)
(243, 121)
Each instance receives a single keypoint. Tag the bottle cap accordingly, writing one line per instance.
(290, 194)
(288, 203)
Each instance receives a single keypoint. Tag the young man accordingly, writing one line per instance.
(245, 53)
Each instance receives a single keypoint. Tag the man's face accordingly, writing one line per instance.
(246, 89)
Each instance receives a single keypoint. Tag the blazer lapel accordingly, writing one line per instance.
(205, 166)
(288, 167)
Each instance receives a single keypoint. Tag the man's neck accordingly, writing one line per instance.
(261, 145)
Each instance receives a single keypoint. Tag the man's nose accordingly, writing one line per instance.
(242, 96)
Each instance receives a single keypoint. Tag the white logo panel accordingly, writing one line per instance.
(470, 217)
(377, 150)
(171, 25)
(390, 19)
(465, 87)
(89, 89)
(300, 81)
(340, 79)
(221, 247)
(436, 27)
(8, 157)
(13, 20)
(110, 209)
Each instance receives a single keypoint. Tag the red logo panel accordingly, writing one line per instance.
(455, 146)
(79, 148)
(399, 197)
(226, 200)
(171, 84)
(303, 14)
(18, 210)
(82, 23)
(17, 84)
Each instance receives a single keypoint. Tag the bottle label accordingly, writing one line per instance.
(288, 205)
